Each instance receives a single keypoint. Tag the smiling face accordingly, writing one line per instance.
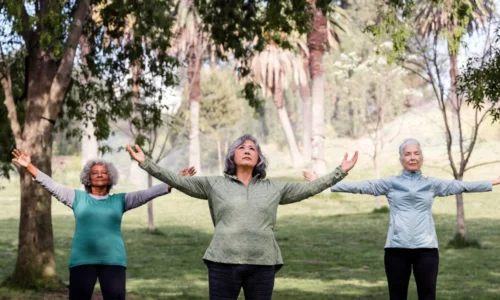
(99, 176)
(412, 158)
(246, 154)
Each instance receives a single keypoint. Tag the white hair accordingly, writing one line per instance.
(406, 142)
(85, 174)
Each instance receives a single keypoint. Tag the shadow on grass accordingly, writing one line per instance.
(334, 257)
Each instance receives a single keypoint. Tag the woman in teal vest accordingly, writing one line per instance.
(243, 206)
(411, 239)
(97, 250)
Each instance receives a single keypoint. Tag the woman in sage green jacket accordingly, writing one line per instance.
(411, 238)
(243, 206)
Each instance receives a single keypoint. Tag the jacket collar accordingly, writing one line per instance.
(411, 175)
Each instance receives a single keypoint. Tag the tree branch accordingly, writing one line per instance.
(10, 104)
(482, 164)
(63, 76)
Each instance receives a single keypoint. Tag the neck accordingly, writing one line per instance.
(244, 174)
(99, 191)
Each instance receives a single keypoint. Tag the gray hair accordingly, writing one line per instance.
(406, 142)
(85, 174)
(259, 169)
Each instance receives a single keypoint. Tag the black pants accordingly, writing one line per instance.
(226, 280)
(82, 281)
(398, 265)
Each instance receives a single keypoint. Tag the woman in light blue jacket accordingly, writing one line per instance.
(411, 239)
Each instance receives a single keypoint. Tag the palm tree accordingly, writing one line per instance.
(322, 36)
(274, 69)
(453, 18)
(191, 44)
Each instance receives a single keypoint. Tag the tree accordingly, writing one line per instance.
(222, 108)
(479, 79)
(191, 44)
(372, 93)
(274, 69)
(47, 36)
(322, 36)
(452, 18)
(431, 70)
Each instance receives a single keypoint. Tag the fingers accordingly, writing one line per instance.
(138, 149)
(129, 149)
(355, 157)
(345, 156)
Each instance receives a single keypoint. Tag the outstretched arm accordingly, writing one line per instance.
(198, 187)
(136, 199)
(452, 187)
(370, 187)
(62, 193)
(295, 191)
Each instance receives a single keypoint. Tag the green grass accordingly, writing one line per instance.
(332, 246)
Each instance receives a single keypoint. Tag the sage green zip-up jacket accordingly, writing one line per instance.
(244, 216)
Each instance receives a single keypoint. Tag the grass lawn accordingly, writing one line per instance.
(332, 246)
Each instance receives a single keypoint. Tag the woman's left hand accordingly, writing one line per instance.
(187, 172)
(310, 176)
(347, 164)
(137, 156)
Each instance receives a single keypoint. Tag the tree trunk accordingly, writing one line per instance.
(194, 70)
(316, 41)
(90, 146)
(48, 80)
(461, 229)
(305, 94)
(297, 160)
(261, 111)
(454, 99)
(378, 199)
(151, 220)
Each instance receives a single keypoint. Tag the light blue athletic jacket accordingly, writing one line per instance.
(410, 197)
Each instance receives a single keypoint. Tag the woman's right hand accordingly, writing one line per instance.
(20, 158)
(137, 156)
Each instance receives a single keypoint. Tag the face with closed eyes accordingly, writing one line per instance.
(99, 176)
(411, 158)
(246, 155)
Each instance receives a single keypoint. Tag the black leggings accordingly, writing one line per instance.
(226, 280)
(398, 264)
(82, 281)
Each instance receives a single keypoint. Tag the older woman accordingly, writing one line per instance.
(411, 240)
(243, 205)
(97, 250)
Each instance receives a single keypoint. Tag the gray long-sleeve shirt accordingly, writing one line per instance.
(244, 216)
(66, 195)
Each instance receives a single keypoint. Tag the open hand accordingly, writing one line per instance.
(310, 176)
(137, 156)
(20, 158)
(347, 164)
(187, 172)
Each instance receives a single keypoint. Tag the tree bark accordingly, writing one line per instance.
(151, 220)
(194, 69)
(305, 94)
(461, 228)
(297, 160)
(316, 41)
(454, 99)
(48, 81)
